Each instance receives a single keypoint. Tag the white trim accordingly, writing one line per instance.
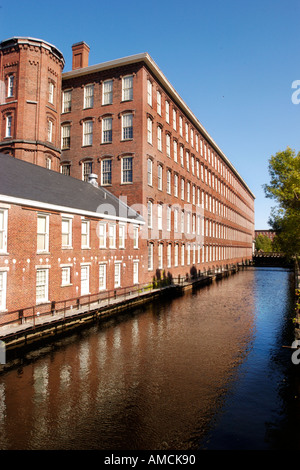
(64, 210)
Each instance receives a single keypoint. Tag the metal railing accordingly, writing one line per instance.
(61, 307)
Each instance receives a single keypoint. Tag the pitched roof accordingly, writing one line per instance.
(33, 185)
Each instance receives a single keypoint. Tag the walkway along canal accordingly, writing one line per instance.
(204, 370)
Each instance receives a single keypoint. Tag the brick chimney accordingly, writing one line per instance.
(80, 55)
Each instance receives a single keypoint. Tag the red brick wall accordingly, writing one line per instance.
(22, 258)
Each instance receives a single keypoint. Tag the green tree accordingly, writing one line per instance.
(262, 242)
(284, 187)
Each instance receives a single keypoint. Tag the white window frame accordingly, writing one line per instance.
(67, 101)
(3, 230)
(85, 234)
(101, 231)
(122, 233)
(135, 237)
(127, 126)
(102, 276)
(127, 170)
(112, 231)
(66, 221)
(45, 298)
(65, 136)
(149, 172)
(149, 92)
(150, 257)
(10, 86)
(51, 92)
(127, 88)
(84, 282)
(8, 125)
(43, 235)
(159, 103)
(87, 137)
(117, 274)
(106, 130)
(106, 171)
(66, 276)
(159, 177)
(135, 268)
(88, 96)
(107, 92)
(160, 256)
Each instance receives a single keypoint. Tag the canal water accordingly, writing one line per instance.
(209, 370)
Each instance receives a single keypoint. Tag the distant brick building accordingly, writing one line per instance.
(125, 123)
(266, 233)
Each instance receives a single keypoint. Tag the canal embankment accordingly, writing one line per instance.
(42, 328)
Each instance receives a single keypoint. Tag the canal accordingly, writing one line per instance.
(208, 370)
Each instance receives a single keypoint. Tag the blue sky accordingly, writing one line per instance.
(233, 63)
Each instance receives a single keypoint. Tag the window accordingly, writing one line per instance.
(65, 136)
(85, 280)
(107, 130)
(135, 272)
(65, 169)
(186, 132)
(175, 150)
(127, 126)
(66, 101)
(66, 276)
(149, 207)
(188, 191)
(149, 92)
(122, 236)
(182, 188)
(88, 133)
(169, 255)
(169, 182)
(117, 274)
(102, 276)
(42, 276)
(3, 283)
(180, 125)
(149, 130)
(106, 172)
(112, 235)
(159, 216)
(8, 125)
(159, 103)
(160, 256)
(127, 88)
(127, 170)
(174, 120)
(176, 255)
(43, 233)
(107, 92)
(66, 229)
(88, 96)
(150, 256)
(182, 255)
(159, 142)
(3, 230)
(10, 86)
(168, 112)
(176, 185)
(85, 234)
(181, 156)
(101, 231)
(87, 169)
(168, 146)
(149, 170)
(169, 210)
(135, 237)
(187, 157)
(159, 177)
(51, 93)
(175, 220)
(48, 162)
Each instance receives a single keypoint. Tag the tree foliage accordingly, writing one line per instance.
(284, 187)
(262, 242)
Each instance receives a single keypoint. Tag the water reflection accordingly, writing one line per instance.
(154, 379)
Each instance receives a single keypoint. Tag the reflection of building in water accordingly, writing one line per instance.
(153, 380)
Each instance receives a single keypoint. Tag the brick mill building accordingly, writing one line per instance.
(123, 123)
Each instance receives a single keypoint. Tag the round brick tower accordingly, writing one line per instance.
(30, 100)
